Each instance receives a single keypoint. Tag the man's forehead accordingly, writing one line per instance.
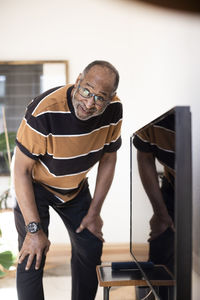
(98, 75)
(102, 90)
(101, 70)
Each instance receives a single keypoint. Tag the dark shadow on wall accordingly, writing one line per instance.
(192, 6)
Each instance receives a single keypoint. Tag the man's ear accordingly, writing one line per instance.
(113, 95)
(78, 80)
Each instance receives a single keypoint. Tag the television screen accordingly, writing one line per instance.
(160, 198)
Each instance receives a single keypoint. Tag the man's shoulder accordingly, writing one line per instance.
(116, 100)
(114, 111)
(53, 100)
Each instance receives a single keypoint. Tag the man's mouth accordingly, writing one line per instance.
(85, 110)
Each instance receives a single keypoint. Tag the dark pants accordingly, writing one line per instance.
(86, 248)
(161, 249)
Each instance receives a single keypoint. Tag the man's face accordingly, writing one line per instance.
(93, 92)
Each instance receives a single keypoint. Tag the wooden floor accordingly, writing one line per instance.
(111, 252)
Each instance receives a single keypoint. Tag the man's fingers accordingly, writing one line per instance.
(29, 261)
(100, 236)
(95, 229)
(21, 257)
(173, 227)
(31, 257)
(38, 261)
(80, 228)
(46, 249)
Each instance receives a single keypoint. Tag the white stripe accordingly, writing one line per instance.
(75, 135)
(164, 128)
(71, 135)
(36, 154)
(34, 129)
(116, 122)
(54, 112)
(59, 188)
(152, 144)
(113, 102)
(83, 134)
(170, 151)
(62, 176)
(45, 98)
(73, 157)
(113, 141)
(61, 200)
(69, 158)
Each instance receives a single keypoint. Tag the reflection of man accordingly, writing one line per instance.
(157, 140)
(64, 133)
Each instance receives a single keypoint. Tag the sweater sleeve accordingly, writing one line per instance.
(31, 137)
(114, 139)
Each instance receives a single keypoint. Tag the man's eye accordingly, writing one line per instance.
(101, 99)
(86, 92)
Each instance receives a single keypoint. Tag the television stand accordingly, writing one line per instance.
(107, 278)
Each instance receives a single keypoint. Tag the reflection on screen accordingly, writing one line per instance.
(158, 224)
(152, 191)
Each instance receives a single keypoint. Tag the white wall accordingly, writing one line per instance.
(156, 53)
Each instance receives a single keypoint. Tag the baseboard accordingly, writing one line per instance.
(111, 252)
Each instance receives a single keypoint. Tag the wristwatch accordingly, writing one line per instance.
(33, 227)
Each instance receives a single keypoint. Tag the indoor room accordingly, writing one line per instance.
(155, 48)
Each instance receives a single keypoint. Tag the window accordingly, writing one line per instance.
(20, 82)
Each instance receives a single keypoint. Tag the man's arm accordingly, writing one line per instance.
(37, 243)
(148, 174)
(92, 221)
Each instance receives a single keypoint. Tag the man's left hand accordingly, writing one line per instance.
(94, 224)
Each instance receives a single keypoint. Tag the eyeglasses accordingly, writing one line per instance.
(85, 93)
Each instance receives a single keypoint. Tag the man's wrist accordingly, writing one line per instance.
(93, 213)
(33, 227)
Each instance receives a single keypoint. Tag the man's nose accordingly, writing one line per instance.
(90, 102)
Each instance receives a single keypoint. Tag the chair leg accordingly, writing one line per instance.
(106, 291)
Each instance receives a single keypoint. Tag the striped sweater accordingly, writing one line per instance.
(64, 147)
(158, 137)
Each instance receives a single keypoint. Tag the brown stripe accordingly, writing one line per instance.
(57, 101)
(77, 145)
(31, 140)
(41, 174)
(68, 196)
(163, 138)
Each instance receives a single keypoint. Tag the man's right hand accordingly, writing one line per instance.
(159, 224)
(35, 244)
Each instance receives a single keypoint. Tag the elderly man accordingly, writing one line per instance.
(64, 133)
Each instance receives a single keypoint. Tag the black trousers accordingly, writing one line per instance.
(162, 249)
(86, 248)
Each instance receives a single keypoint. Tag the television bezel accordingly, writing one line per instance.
(183, 207)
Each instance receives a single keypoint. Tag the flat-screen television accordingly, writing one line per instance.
(172, 155)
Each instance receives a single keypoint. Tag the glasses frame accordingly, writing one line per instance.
(103, 102)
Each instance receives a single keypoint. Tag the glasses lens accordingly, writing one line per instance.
(84, 92)
(99, 100)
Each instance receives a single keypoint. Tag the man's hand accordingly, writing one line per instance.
(92, 221)
(159, 224)
(94, 224)
(34, 245)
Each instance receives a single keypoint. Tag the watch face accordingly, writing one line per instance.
(33, 227)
